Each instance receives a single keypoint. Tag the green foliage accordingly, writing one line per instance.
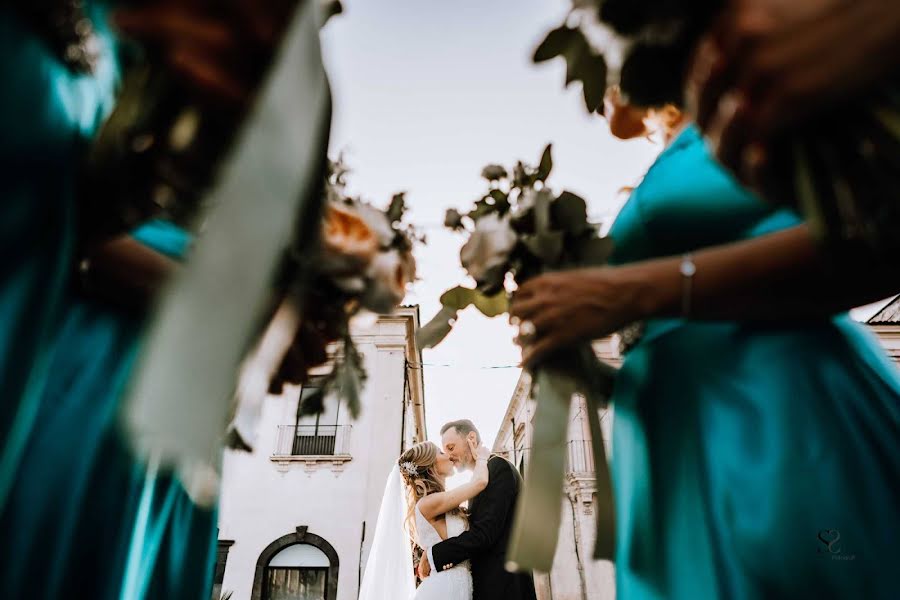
(397, 207)
(546, 246)
(346, 380)
(582, 64)
(569, 213)
(453, 219)
(460, 297)
(494, 172)
(534, 231)
(546, 164)
(453, 301)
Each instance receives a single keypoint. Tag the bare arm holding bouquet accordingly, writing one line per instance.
(780, 276)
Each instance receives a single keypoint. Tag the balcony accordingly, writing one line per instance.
(312, 445)
(580, 458)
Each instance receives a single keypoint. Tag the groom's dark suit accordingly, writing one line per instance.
(490, 522)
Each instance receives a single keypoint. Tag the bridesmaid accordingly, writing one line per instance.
(80, 514)
(756, 444)
(51, 109)
(78, 482)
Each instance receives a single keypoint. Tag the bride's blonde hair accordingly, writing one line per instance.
(418, 468)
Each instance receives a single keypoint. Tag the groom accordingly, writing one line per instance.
(490, 521)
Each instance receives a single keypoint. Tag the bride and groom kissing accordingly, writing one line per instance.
(463, 551)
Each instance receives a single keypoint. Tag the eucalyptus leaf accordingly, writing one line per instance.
(433, 333)
(555, 44)
(593, 81)
(492, 306)
(350, 375)
(458, 298)
(577, 56)
(546, 164)
(569, 213)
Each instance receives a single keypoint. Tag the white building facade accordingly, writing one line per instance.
(298, 514)
(575, 574)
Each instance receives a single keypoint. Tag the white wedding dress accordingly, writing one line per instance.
(452, 584)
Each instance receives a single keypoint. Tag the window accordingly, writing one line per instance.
(315, 435)
(298, 572)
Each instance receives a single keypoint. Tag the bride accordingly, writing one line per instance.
(428, 514)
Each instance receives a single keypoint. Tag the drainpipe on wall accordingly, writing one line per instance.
(515, 458)
(359, 569)
(403, 404)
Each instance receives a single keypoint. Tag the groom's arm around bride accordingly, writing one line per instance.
(485, 542)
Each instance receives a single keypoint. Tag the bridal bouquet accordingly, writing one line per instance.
(363, 263)
(837, 169)
(518, 229)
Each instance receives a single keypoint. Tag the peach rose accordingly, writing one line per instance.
(348, 243)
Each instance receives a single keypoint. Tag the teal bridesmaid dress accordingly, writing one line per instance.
(80, 516)
(80, 488)
(750, 461)
(47, 116)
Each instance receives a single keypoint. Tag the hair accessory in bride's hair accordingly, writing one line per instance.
(409, 468)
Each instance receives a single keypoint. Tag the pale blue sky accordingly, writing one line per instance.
(428, 92)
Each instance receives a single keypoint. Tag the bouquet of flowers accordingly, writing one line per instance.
(518, 229)
(363, 263)
(837, 169)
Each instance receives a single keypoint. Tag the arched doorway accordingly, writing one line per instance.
(297, 566)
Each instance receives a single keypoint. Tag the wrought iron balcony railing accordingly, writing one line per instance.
(313, 440)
